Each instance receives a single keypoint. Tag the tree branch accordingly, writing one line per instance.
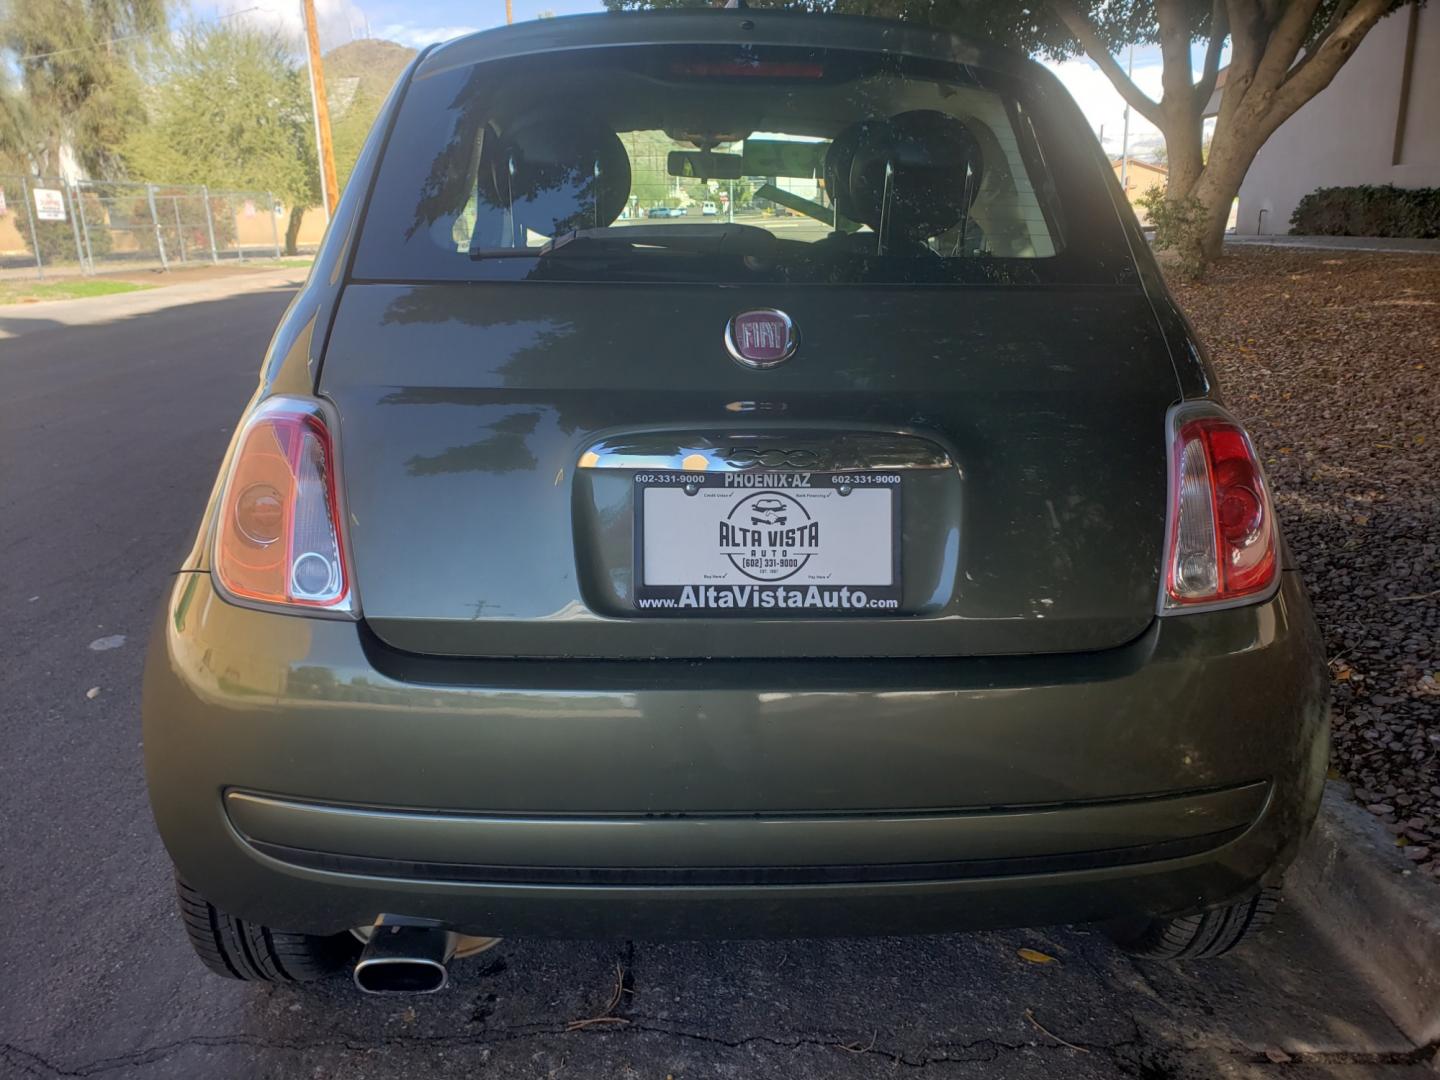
(1342, 9)
(1173, 28)
(1336, 17)
(1219, 30)
(1313, 74)
(1283, 45)
(1089, 38)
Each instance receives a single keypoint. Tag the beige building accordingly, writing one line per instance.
(1378, 122)
(1138, 177)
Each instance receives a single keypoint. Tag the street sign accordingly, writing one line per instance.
(49, 204)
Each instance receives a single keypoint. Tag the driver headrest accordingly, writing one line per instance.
(556, 172)
(935, 171)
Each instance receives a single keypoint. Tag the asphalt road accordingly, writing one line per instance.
(109, 437)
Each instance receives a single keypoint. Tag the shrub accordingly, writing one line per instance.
(1179, 226)
(1369, 210)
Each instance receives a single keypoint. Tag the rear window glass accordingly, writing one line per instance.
(711, 163)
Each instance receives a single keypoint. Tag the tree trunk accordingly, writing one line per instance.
(292, 230)
(1268, 81)
(1184, 155)
(1231, 154)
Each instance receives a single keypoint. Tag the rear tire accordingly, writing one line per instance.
(1199, 936)
(240, 949)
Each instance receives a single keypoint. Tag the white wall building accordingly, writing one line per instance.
(1378, 122)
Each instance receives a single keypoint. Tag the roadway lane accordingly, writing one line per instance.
(110, 434)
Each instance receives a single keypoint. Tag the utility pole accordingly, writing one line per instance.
(329, 188)
(1125, 137)
(509, 12)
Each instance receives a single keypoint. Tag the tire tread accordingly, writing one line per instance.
(1199, 936)
(239, 949)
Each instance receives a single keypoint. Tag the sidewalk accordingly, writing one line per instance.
(208, 283)
(1337, 243)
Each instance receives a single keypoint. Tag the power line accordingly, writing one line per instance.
(117, 40)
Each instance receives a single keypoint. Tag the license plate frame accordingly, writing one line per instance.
(812, 577)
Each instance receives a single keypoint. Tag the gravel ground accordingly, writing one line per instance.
(1333, 360)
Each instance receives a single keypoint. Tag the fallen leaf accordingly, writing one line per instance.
(93, 692)
(1034, 957)
(1277, 1057)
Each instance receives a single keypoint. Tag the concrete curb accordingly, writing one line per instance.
(1380, 916)
(1388, 245)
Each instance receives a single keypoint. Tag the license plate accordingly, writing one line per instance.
(767, 544)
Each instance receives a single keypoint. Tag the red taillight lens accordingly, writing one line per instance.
(278, 536)
(1222, 547)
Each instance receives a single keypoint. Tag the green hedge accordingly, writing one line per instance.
(1369, 210)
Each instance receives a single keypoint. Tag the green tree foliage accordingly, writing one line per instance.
(16, 129)
(358, 76)
(650, 183)
(230, 108)
(76, 67)
(348, 133)
(1283, 53)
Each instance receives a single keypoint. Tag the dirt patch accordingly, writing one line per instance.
(1333, 361)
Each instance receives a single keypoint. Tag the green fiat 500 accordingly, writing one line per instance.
(872, 555)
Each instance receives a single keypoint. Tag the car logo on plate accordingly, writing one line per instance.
(761, 338)
(769, 536)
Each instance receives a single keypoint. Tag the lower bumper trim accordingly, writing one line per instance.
(722, 876)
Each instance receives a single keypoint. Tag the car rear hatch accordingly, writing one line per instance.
(466, 412)
(555, 443)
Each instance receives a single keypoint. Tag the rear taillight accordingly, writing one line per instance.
(278, 539)
(1222, 548)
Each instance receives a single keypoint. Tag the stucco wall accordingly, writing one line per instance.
(1346, 134)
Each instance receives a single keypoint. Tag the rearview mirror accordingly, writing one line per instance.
(775, 157)
(704, 165)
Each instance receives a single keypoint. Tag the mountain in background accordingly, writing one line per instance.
(358, 75)
(374, 64)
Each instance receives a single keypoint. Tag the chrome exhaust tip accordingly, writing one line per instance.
(403, 959)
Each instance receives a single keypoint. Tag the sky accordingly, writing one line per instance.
(419, 22)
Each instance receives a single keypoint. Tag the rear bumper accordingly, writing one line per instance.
(306, 777)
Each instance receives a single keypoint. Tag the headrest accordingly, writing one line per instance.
(935, 164)
(836, 170)
(557, 173)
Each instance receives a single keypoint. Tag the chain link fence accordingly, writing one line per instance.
(50, 225)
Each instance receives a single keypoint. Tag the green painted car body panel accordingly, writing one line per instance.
(465, 411)
(1078, 758)
(501, 742)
